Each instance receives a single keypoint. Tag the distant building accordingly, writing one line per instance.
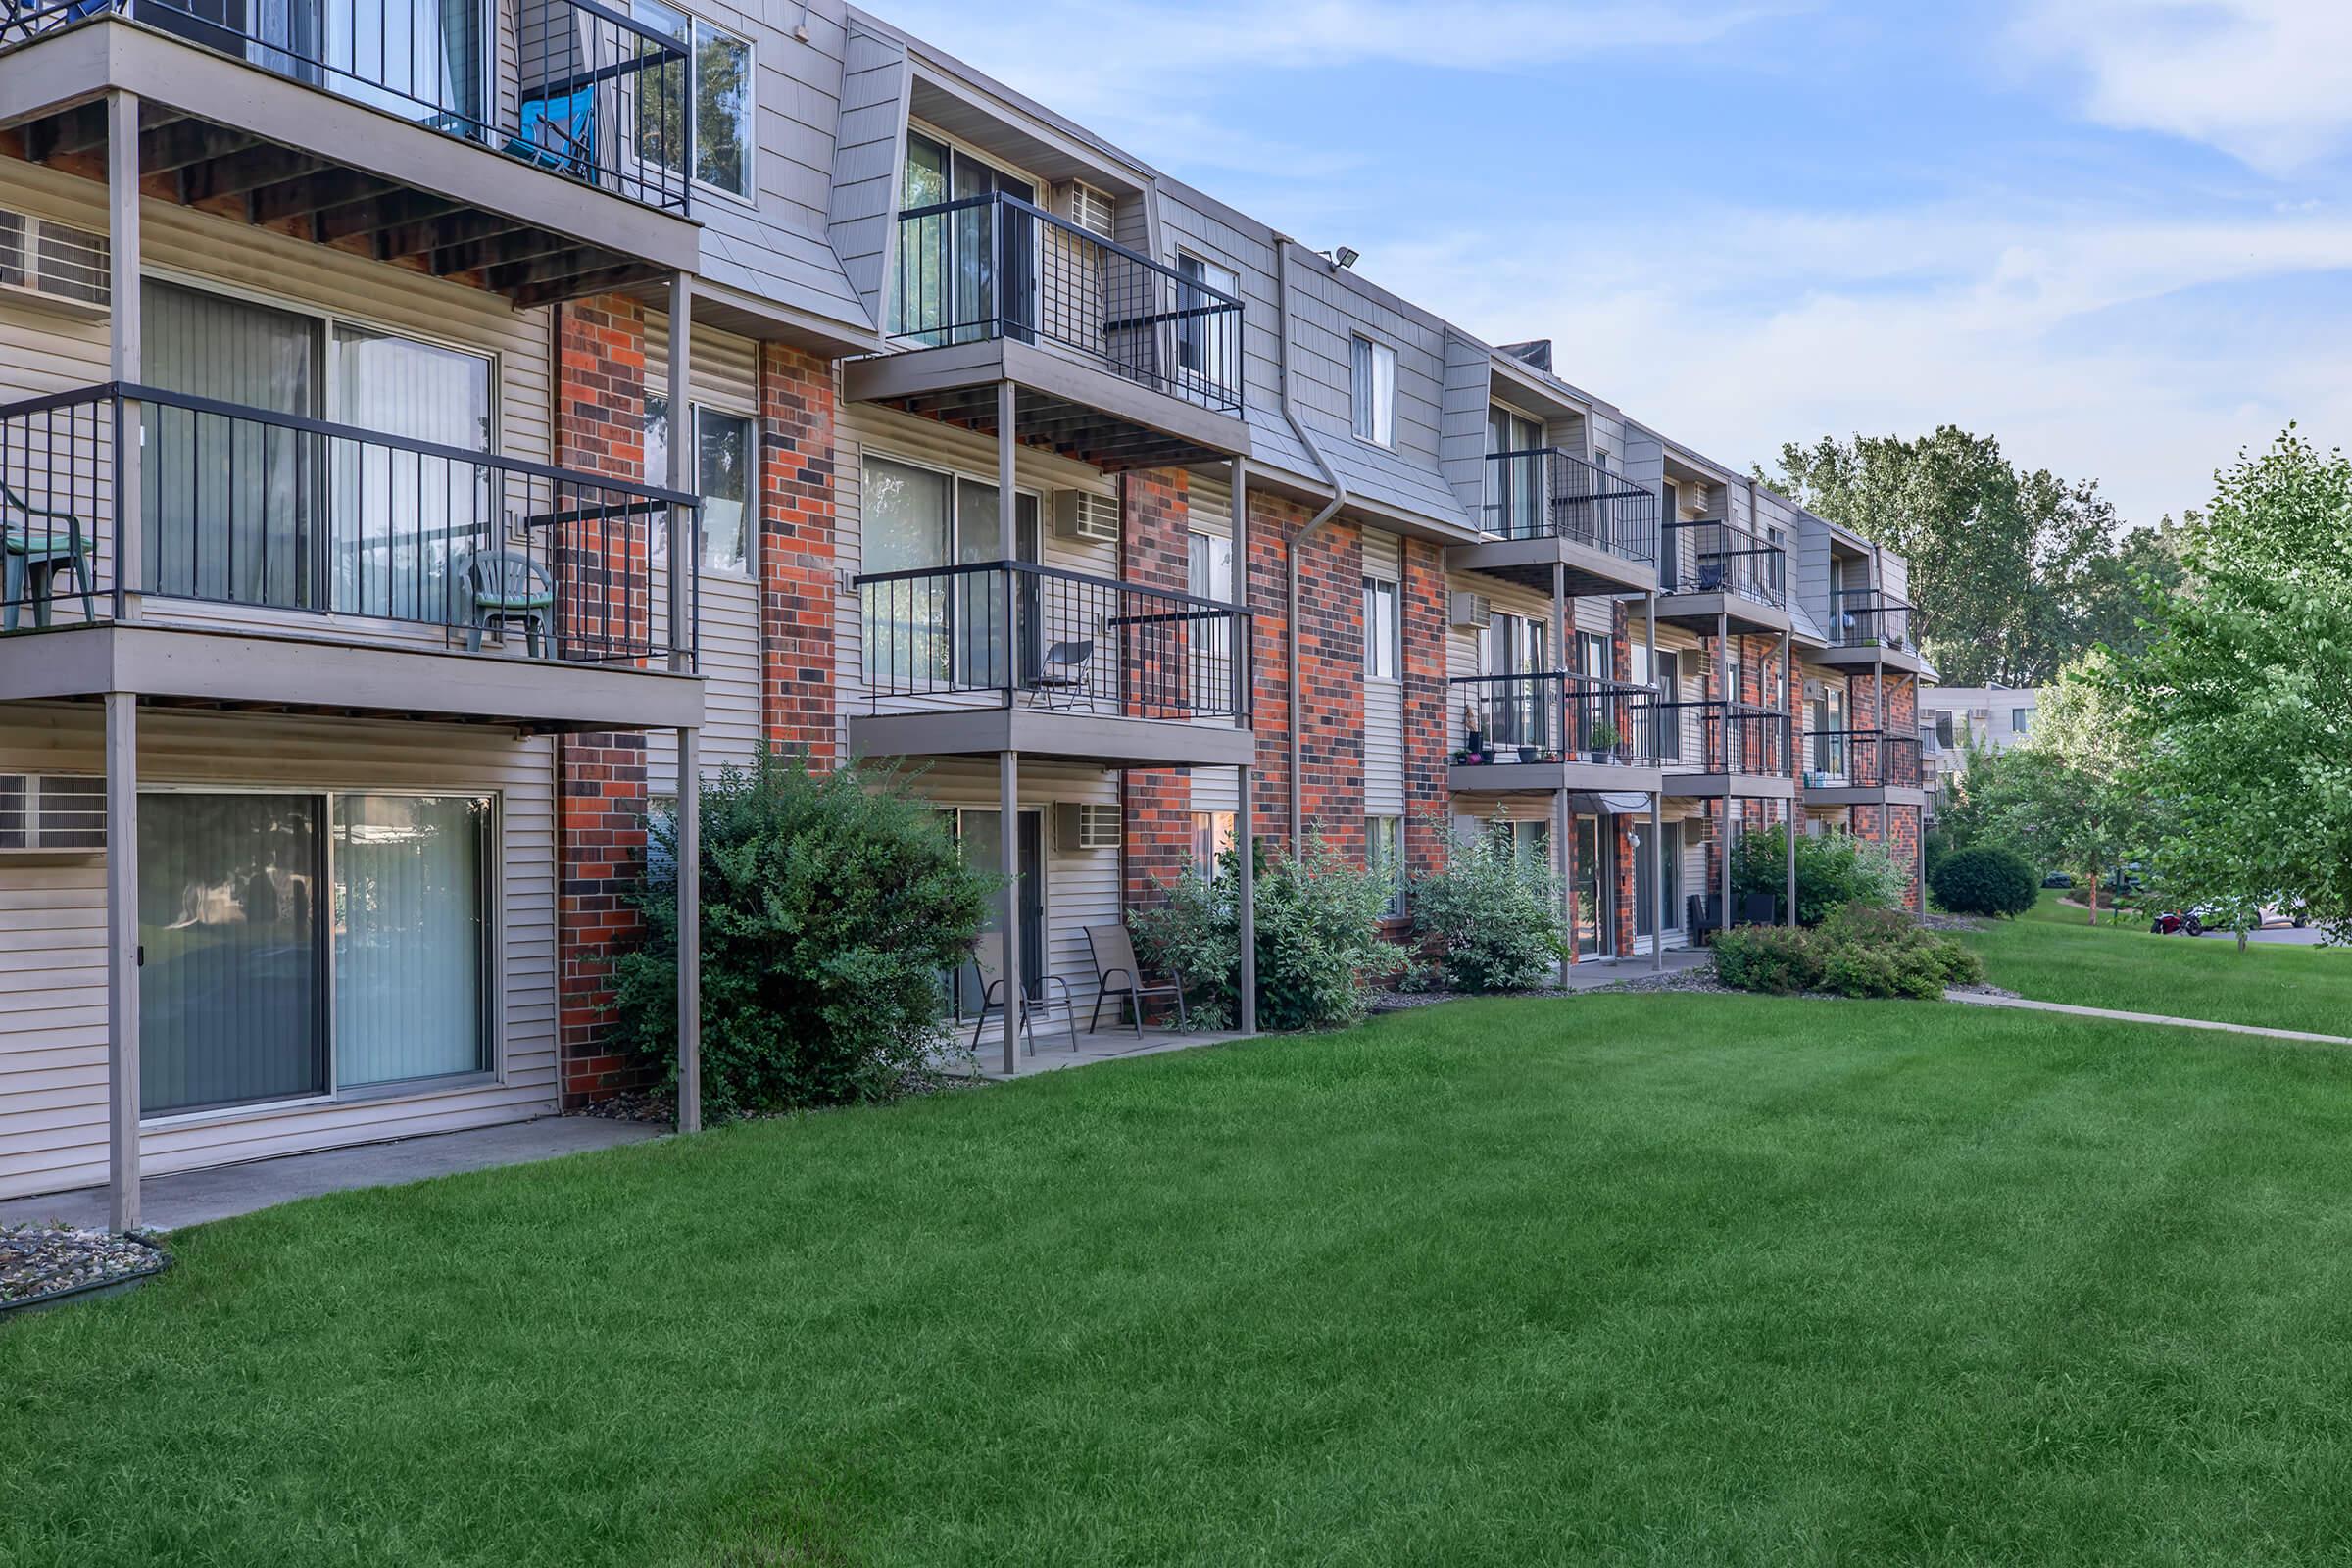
(1954, 717)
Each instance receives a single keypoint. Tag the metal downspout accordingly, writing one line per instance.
(1339, 499)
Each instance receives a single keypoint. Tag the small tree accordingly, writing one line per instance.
(1494, 918)
(2071, 796)
(831, 906)
(1831, 871)
(1985, 879)
(1318, 938)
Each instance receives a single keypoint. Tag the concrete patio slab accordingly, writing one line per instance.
(196, 1196)
(1055, 1049)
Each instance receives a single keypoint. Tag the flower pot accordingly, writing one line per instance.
(1600, 754)
(1529, 753)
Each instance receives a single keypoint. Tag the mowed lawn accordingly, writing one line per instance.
(1646, 1279)
(2055, 955)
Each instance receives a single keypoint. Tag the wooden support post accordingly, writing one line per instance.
(1008, 859)
(125, 351)
(1245, 831)
(122, 959)
(690, 934)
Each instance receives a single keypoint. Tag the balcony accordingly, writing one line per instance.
(1863, 767)
(1557, 731)
(287, 562)
(1112, 358)
(1546, 509)
(543, 161)
(1714, 577)
(1009, 655)
(1713, 748)
(1868, 627)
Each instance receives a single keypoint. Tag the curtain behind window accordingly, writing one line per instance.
(410, 936)
(402, 520)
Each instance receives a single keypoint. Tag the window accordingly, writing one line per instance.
(1205, 344)
(1373, 381)
(727, 451)
(1384, 630)
(1208, 575)
(957, 280)
(1943, 728)
(719, 65)
(1212, 836)
(937, 631)
(1516, 477)
(1593, 654)
(2019, 717)
(1383, 852)
(300, 944)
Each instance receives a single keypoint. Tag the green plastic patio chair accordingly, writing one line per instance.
(40, 544)
(509, 590)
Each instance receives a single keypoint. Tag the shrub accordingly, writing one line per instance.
(1858, 950)
(1773, 958)
(1318, 938)
(1985, 879)
(831, 905)
(1493, 918)
(1831, 871)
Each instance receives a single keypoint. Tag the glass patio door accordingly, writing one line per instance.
(982, 835)
(1515, 485)
(1663, 863)
(981, 607)
(1591, 884)
(423, 60)
(407, 522)
(1516, 646)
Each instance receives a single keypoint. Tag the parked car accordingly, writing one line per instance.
(2175, 923)
(2057, 879)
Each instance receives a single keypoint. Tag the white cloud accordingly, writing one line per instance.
(2085, 343)
(2268, 81)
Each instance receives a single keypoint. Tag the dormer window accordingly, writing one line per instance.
(1374, 383)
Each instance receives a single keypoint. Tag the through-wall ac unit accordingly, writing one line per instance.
(55, 265)
(1091, 210)
(1473, 611)
(1089, 825)
(52, 811)
(1084, 514)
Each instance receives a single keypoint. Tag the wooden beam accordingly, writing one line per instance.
(548, 290)
(364, 216)
(185, 143)
(262, 164)
(302, 197)
(501, 250)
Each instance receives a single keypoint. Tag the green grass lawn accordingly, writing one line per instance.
(1656, 1279)
(2055, 955)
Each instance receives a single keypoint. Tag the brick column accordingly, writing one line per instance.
(798, 566)
(1157, 805)
(1428, 803)
(1625, 828)
(600, 809)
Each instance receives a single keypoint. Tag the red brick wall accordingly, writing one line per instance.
(797, 561)
(1426, 797)
(1331, 662)
(1626, 868)
(1156, 510)
(600, 809)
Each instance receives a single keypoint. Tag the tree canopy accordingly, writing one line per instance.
(2014, 572)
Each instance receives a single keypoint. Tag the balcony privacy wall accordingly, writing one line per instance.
(53, 1072)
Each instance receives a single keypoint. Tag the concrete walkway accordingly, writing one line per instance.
(1055, 1048)
(195, 1197)
(1977, 999)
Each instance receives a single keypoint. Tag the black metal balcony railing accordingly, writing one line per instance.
(1863, 759)
(997, 266)
(1086, 644)
(596, 96)
(1555, 718)
(1714, 736)
(1864, 618)
(1715, 557)
(298, 518)
(1547, 493)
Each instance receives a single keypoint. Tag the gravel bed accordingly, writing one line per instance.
(1985, 991)
(46, 1260)
(1951, 922)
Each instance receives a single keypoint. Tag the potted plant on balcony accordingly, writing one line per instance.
(1601, 741)
(1531, 753)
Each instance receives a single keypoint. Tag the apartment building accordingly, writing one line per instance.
(430, 437)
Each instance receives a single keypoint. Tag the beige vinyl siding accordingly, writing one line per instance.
(44, 351)
(52, 941)
(1384, 699)
(725, 377)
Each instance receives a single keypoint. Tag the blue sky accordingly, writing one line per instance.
(2111, 232)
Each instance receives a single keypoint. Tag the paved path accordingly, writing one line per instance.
(1977, 999)
(192, 1197)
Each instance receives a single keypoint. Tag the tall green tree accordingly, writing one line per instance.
(2241, 704)
(2074, 797)
(2017, 572)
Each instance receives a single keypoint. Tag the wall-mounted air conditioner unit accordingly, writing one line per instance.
(50, 812)
(1088, 825)
(1472, 611)
(1091, 210)
(54, 264)
(1084, 514)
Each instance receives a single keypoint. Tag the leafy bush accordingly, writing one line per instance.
(1318, 938)
(1493, 918)
(1985, 879)
(1777, 959)
(1831, 871)
(831, 903)
(1858, 950)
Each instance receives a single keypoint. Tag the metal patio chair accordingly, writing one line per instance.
(41, 544)
(988, 956)
(1117, 974)
(1061, 680)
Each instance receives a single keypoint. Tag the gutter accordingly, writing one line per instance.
(1339, 499)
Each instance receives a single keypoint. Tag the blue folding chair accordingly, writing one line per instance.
(558, 131)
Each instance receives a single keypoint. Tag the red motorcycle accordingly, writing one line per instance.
(2176, 923)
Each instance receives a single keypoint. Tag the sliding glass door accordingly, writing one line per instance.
(251, 991)
(407, 523)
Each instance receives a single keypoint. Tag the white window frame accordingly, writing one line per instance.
(1225, 280)
(494, 959)
(749, 196)
(1384, 628)
(1383, 852)
(659, 543)
(1374, 407)
(1218, 830)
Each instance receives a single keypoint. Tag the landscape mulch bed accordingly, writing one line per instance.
(40, 1264)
